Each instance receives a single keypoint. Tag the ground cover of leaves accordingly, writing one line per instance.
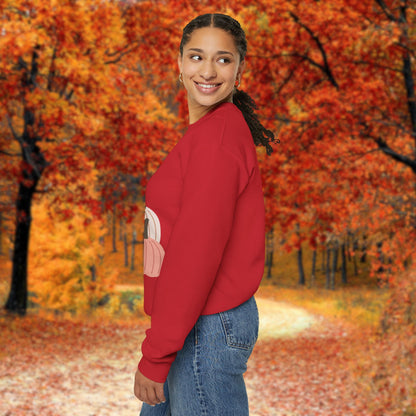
(302, 365)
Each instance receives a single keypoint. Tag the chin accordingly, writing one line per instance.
(209, 102)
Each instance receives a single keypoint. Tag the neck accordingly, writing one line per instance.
(197, 111)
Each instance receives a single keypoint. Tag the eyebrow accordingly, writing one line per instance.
(218, 52)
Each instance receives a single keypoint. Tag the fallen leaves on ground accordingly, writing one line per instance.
(59, 367)
(54, 367)
(311, 374)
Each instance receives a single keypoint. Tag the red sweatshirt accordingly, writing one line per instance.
(204, 233)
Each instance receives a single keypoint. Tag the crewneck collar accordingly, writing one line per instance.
(210, 114)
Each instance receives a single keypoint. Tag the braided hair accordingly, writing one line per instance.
(261, 135)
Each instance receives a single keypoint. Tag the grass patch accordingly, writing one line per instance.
(360, 301)
(359, 306)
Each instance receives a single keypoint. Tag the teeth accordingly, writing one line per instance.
(207, 85)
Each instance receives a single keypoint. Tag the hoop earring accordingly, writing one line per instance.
(180, 78)
(237, 85)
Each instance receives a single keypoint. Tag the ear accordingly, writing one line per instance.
(241, 68)
(180, 62)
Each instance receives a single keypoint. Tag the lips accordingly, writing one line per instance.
(207, 87)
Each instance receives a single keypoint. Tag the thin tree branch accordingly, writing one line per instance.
(24, 146)
(386, 11)
(309, 59)
(9, 122)
(296, 55)
(385, 148)
(286, 80)
(3, 152)
(357, 156)
(325, 67)
(119, 54)
(377, 65)
(17, 11)
(405, 47)
(51, 74)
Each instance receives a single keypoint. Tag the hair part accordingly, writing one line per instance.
(261, 135)
(219, 21)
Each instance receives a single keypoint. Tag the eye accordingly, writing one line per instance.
(195, 57)
(224, 60)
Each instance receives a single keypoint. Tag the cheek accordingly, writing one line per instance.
(232, 72)
(231, 75)
(188, 68)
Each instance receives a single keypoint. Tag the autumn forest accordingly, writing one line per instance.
(90, 104)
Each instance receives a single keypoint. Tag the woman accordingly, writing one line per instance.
(204, 237)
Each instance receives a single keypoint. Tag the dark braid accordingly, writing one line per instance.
(261, 136)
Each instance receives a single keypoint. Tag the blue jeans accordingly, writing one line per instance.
(206, 378)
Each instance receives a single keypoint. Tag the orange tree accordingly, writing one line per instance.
(73, 98)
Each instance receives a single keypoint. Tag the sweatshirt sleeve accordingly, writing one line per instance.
(213, 179)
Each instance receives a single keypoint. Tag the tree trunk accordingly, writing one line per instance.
(344, 264)
(122, 230)
(300, 267)
(101, 256)
(363, 257)
(328, 268)
(114, 229)
(133, 245)
(93, 271)
(355, 249)
(348, 246)
(334, 264)
(380, 257)
(313, 274)
(270, 251)
(126, 250)
(269, 264)
(34, 163)
(17, 300)
(1, 233)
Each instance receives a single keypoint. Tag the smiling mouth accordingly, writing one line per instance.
(207, 86)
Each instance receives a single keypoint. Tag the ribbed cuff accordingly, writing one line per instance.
(156, 372)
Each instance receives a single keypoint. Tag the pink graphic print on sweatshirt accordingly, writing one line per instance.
(153, 252)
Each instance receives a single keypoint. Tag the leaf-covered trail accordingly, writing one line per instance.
(300, 366)
(303, 365)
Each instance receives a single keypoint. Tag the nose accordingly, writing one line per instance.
(208, 70)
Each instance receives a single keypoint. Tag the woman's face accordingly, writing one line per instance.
(210, 65)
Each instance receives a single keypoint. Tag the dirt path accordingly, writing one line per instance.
(279, 319)
(94, 377)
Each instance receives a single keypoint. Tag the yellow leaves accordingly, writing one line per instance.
(294, 108)
(84, 30)
(62, 254)
(89, 125)
(15, 41)
(150, 107)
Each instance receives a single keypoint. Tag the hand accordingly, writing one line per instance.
(147, 390)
